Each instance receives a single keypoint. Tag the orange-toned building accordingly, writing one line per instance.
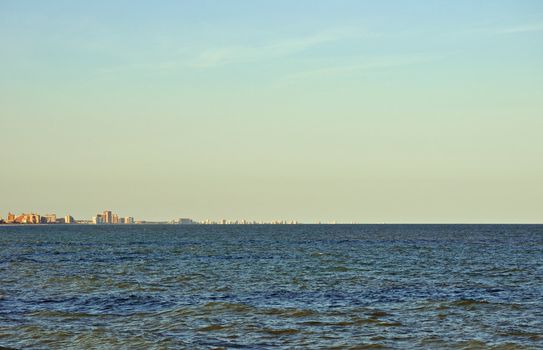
(11, 218)
(27, 219)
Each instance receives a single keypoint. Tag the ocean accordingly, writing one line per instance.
(271, 287)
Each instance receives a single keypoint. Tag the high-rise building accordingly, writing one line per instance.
(50, 218)
(68, 219)
(98, 219)
(10, 218)
(128, 220)
(28, 219)
(108, 219)
(115, 219)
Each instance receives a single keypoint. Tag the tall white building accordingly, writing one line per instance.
(98, 219)
(107, 217)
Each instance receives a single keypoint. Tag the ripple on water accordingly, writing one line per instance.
(290, 312)
(218, 306)
(279, 331)
(212, 327)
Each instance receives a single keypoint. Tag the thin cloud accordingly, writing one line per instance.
(160, 66)
(364, 64)
(536, 27)
(244, 54)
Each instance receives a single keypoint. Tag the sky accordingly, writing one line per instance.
(354, 111)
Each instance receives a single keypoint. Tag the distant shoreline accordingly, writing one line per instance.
(258, 224)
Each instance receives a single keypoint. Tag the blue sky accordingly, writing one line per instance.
(422, 111)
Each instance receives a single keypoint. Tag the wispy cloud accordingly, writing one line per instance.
(155, 67)
(364, 64)
(232, 54)
(535, 27)
(244, 54)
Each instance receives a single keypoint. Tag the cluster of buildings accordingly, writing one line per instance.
(187, 221)
(107, 217)
(33, 218)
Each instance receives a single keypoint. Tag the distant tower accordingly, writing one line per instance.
(108, 217)
(98, 219)
(68, 219)
(50, 218)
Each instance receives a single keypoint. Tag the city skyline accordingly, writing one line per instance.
(108, 217)
(366, 111)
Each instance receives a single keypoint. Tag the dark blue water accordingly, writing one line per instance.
(271, 287)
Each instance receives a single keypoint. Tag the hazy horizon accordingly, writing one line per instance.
(396, 112)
